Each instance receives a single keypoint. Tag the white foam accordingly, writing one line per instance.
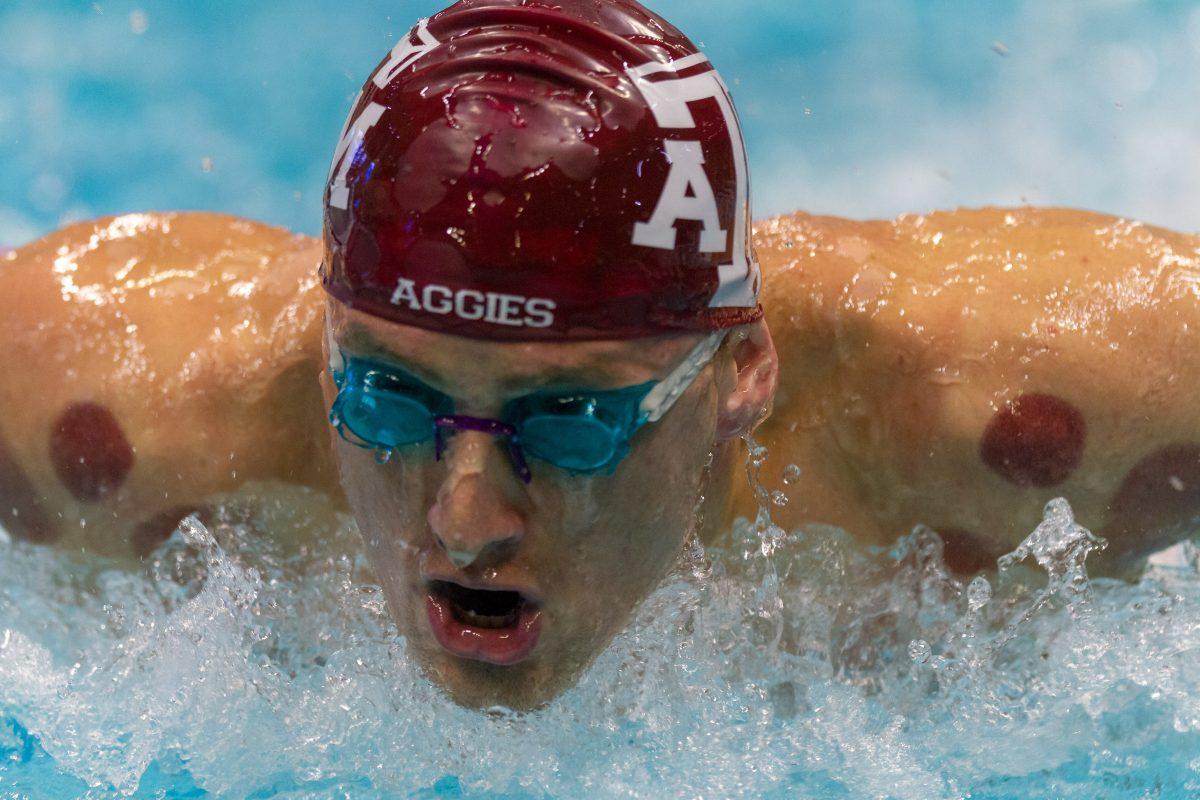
(795, 664)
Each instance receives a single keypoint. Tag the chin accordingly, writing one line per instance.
(527, 686)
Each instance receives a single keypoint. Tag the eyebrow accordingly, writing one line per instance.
(360, 339)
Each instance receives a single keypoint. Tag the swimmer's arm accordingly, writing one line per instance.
(154, 361)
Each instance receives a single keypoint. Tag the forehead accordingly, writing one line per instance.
(454, 360)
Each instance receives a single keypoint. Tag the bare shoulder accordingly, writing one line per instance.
(175, 277)
(1043, 263)
(961, 368)
(151, 360)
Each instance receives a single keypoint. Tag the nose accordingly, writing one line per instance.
(474, 518)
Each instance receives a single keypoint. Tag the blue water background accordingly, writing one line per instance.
(856, 108)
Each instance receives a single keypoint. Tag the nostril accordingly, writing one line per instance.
(492, 552)
(459, 558)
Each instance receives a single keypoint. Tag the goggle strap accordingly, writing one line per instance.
(461, 422)
(664, 394)
(517, 456)
(493, 427)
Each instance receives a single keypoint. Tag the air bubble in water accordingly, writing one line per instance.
(919, 651)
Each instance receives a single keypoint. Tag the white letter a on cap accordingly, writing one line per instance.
(687, 195)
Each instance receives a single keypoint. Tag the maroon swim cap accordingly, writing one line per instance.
(543, 169)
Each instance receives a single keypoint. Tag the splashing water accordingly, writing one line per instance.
(793, 664)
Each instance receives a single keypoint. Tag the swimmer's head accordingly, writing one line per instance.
(543, 171)
(536, 230)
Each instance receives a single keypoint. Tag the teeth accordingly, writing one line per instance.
(480, 608)
(469, 617)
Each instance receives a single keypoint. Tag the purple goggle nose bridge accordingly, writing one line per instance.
(494, 427)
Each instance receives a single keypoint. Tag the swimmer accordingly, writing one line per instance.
(535, 342)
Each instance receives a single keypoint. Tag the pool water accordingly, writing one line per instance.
(849, 107)
(793, 665)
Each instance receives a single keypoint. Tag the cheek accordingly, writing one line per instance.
(637, 521)
(586, 503)
(387, 503)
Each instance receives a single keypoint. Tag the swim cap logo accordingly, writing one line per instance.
(401, 56)
(687, 193)
(497, 308)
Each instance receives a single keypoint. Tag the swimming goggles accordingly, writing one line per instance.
(381, 407)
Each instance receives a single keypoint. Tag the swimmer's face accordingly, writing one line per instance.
(452, 540)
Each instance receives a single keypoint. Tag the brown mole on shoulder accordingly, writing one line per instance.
(965, 553)
(1160, 492)
(1035, 440)
(90, 453)
(21, 511)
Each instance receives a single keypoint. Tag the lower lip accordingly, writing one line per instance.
(502, 646)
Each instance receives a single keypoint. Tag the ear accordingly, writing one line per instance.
(748, 401)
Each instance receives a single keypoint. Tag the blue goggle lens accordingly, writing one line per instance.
(579, 433)
(385, 420)
(576, 444)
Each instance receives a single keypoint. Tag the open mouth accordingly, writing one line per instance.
(495, 626)
(480, 607)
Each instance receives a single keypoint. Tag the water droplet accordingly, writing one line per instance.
(383, 456)
(979, 592)
(758, 454)
(919, 650)
(779, 498)
(791, 474)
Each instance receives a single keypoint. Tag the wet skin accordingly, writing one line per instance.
(152, 361)
(957, 370)
(960, 369)
(583, 549)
